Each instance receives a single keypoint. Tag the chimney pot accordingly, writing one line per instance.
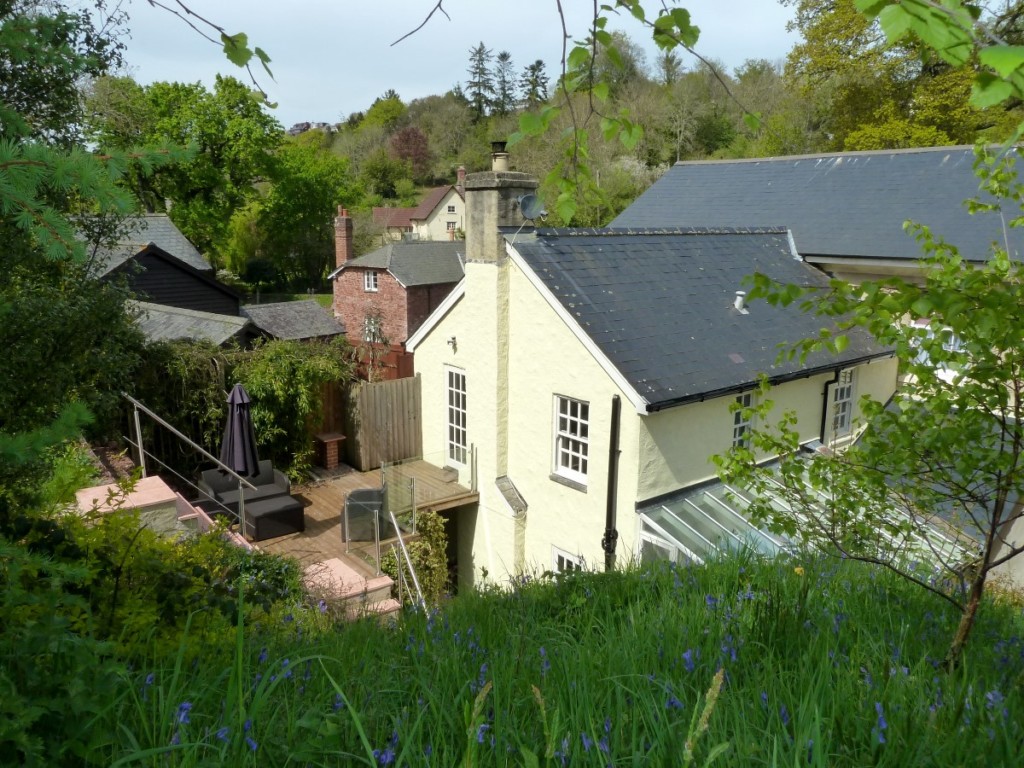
(740, 302)
(343, 240)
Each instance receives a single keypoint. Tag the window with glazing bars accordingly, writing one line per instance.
(457, 444)
(572, 437)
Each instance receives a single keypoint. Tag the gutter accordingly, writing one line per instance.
(736, 389)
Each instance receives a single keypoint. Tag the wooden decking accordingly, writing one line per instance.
(325, 499)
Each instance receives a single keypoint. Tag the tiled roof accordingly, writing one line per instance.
(659, 305)
(154, 228)
(294, 319)
(160, 322)
(404, 217)
(393, 217)
(849, 204)
(426, 262)
(430, 201)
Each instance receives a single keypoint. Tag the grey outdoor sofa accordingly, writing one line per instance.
(222, 487)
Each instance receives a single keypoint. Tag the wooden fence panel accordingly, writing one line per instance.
(382, 423)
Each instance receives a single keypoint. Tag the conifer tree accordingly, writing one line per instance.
(480, 86)
(504, 84)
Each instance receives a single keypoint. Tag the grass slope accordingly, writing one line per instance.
(824, 663)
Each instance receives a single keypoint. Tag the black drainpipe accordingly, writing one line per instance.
(611, 536)
(824, 406)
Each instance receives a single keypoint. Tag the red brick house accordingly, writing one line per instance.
(385, 295)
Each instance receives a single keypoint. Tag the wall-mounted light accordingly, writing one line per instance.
(453, 344)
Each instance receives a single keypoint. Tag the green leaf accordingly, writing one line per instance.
(264, 60)
(1004, 59)
(530, 124)
(565, 207)
(529, 758)
(236, 48)
(578, 57)
(753, 121)
(600, 91)
(989, 90)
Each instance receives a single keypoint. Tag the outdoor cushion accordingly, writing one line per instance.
(223, 487)
(273, 517)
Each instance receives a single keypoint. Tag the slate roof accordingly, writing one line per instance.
(156, 228)
(295, 320)
(659, 305)
(160, 322)
(419, 262)
(846, 204)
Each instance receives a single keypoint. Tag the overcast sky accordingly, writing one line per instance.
(334, 57)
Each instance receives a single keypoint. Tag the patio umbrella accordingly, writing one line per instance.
(238, 448)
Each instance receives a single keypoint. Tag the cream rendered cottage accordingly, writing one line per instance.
(584, 378)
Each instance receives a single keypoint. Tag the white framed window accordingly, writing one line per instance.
(457, 444)
(372, 330)
(451, 226)
(842, 405)
(572, 438)
(563, 562)
(370, 280)
(742, 422)
(451, 209)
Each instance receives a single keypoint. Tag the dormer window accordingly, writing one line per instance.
(451, 209)
(370, 280)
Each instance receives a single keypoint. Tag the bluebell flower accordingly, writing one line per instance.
(481, 731)
(176, 738)
(428, 751)
(263, 656)
(586, 741)
(222, 733)
(688, 662)
(545, 664)
(673, 703)
(183, 710)
(322, 605)
(881, 725)
(251, 742)
(288, 619)
(784, 715)
(764, 699)
(603, 744)
(339, 702)
(710, 601)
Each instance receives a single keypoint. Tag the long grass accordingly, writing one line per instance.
(818, 663)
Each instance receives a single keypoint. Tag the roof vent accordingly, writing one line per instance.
(740, 302)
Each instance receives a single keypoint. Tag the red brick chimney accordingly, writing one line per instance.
(460, 180)
(342, 237)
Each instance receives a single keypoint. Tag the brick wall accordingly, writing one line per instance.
(352, 304)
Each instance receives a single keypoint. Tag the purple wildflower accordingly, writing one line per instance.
(764, 699)
(481, 731)
(183, 710)
(784, 715)
(338, 702)
(673, 703)
(586, 741)
(688, 662)
(322, 605)
(263, 656)
(545, 663)
(175, 739)
(251, 742)
(607, 725)
(881, 725)
(222, 733)
(710, 601)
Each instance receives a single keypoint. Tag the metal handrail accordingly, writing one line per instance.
(408, 561)
(181, 436)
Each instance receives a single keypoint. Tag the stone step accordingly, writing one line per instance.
(340, 581)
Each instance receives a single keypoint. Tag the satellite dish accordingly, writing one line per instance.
(532, 207)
